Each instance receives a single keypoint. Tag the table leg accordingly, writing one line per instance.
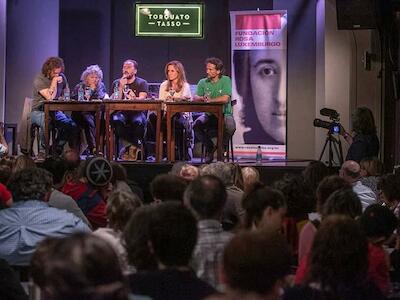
(220, 135)
(46, 129)
(158, 137)
(98, 124)
(168, 121)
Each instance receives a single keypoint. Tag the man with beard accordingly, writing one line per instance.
(216, 87)
(130, 125)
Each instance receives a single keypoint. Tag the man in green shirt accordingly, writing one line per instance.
(215, 88)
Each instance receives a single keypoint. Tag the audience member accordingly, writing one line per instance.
(233, 211)
(136, 240)
(11, 287)
(389, 187)
(265, 208)
(23, 162)
(255, 266)
(251, 176)
(326, 187)
(5, 173)
(206, 198)
(341, 202)
(120, 207)
(3, 142)
(371, 170)
(120, 181)
(173, 235)
(167, 187)
(189, 172)
(30, 219)
(57, 198)
(298, 204)
(87, 191)
(237, 175)
(78, 267)
(378, 224)
(338, 264)
(313, 174)
(351, 172)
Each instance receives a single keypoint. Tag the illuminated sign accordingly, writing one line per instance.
(169, 20)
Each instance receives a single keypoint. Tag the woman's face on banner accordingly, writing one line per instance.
(268, 89)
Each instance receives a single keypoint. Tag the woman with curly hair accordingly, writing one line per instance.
(338, 264)
(92, 83)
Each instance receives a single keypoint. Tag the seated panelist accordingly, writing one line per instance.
(90, 87)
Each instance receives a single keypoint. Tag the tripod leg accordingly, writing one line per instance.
(323, 149)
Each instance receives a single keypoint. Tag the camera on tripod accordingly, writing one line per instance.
(332, 143)
(334, 125)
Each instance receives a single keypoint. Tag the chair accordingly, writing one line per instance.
(230, 155)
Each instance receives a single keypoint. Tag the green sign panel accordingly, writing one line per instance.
(169, 20)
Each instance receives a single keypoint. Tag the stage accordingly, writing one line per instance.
(270, 170)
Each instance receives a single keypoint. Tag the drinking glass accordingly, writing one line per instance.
(88, 93)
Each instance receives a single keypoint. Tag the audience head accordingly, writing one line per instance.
(5, 174)
(57, 169)
(167, 187)
(119, 172)
(72, 159)
(378, 223)
(221, 170)
(23, 162)
(363, 121)
(339, 255)
(256, 263)
(265, 208)
(371, 166)
(189, 172)
(327, 186)
(136, 240)
(314, 173)
(81, 266)
(120, 207)
(251, 176)
(30, 184)
(97, 171)
(206, 197)
(51, 64)
(389, 187)
(343, 202)
(173, 234)
(296, 194)
(177, 167)
(237, 175)
(350, 171)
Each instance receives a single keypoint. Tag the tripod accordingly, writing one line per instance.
(334, 144)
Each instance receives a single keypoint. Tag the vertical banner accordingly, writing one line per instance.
(259, 72)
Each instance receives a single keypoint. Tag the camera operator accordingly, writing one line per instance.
(363, 141)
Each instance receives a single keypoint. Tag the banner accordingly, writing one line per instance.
(259, 71)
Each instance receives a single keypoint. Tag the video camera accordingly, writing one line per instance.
(333, 126)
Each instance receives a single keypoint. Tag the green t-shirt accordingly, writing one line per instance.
(216, 89)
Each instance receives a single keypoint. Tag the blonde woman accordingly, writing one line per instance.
(176, 88)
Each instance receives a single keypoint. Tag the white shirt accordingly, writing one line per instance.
(366, 195)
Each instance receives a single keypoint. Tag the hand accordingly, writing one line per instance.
(57, 79)
(131, 95)
(123, 81)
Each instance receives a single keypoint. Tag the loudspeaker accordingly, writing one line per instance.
(356, 14)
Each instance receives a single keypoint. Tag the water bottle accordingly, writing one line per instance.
(81, 93)
(259, 155)
(67, 95)
(116, 92)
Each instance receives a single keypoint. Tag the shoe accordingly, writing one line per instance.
(41, 156)
(210, 155)
(130, 152)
